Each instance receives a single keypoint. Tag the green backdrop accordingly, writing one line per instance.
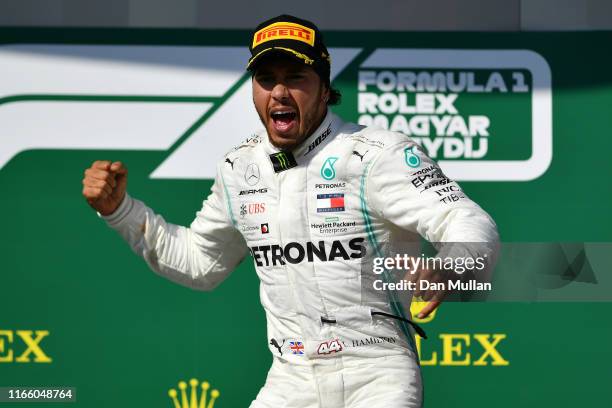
(124, 336)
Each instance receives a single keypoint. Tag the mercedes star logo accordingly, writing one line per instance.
(252, 174)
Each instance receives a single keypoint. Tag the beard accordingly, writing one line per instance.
(308, 121)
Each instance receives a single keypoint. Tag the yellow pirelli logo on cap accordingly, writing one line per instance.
(282, 30)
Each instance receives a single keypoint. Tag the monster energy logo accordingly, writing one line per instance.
(282, 161)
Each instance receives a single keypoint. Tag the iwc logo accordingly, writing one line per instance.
(193, 401)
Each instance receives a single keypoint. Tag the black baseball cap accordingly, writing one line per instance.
(293, 36)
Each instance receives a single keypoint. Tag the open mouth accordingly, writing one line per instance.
(283, 120)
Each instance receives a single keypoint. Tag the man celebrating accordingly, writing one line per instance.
(309, 198)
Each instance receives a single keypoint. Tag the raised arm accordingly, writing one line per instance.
(199, 257)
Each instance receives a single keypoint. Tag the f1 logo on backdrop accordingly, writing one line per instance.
(185, 100)
(194, 102)
(484, 115)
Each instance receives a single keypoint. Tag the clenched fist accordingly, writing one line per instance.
(104, 185)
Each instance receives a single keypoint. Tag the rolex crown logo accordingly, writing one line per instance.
(193, 402)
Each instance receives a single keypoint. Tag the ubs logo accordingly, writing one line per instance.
(252, 208)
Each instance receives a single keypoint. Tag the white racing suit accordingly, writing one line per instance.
(308, 219)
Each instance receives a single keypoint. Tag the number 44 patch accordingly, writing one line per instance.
(328, 347)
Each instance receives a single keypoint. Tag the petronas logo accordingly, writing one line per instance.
(327, 170)
(411, 158)
(192, 401)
